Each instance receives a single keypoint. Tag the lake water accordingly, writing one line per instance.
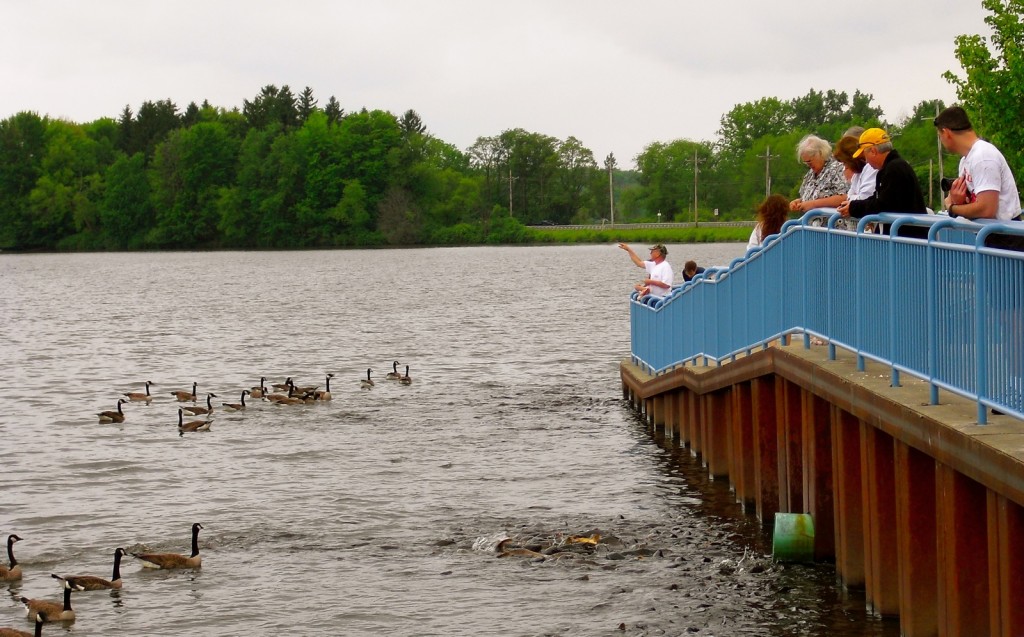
(379, 512)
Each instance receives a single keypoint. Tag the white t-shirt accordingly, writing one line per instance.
(755, 237)
(659, 272)
(862, 185)
(986, 169)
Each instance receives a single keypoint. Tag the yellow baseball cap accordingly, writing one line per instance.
(871, 137)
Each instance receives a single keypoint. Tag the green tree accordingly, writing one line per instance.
(817, 108)
(351, 214)
(667, 175)
(151, 126)
(306, 105)
(531, 162)
(752, 120)
(993, 90)
(272, 106)
(399, 218)
(334, 111)
(189, 169)
(62, 200)
(22, 146)
(411, 124)
(126, 213)
(573, 198)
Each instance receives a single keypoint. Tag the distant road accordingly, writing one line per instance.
(640, 226)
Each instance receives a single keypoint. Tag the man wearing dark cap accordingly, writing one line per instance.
(659, 273)
(984, 187)
(896, 185)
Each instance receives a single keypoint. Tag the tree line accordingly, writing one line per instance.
(282, 171)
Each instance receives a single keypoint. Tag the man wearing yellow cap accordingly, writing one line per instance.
(896, 185)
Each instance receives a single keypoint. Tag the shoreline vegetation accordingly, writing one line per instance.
(285, 171)
(536, 236)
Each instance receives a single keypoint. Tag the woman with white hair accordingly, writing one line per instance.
(824, 185)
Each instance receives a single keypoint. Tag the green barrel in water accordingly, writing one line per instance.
(793, 539)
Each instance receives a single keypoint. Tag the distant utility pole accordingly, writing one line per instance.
(696, 169)
(609, 163)
(768, 157)
(510, 180)
(938, 142)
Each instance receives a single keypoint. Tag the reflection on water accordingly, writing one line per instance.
(379, 511)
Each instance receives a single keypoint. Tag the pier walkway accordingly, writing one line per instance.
(885, 432)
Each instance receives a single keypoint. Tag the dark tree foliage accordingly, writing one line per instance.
(191, 116)
(411, 124)
(306, 105)
(334, 111)
(273, 106)
(22, 146)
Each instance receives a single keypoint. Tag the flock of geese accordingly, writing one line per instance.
(42, 611)
(286, 393)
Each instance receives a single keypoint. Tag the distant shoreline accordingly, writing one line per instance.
(704, 232)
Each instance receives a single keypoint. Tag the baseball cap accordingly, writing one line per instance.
(871, 137)
(660, 247)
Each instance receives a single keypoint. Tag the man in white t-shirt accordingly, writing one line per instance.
(659, 273)
(985, 188)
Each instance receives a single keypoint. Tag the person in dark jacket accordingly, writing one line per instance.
(896, 185)
(690, 270)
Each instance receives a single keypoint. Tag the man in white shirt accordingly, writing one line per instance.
(985, 188)
(659, 273)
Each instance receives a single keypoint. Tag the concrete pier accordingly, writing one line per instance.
(918, 505)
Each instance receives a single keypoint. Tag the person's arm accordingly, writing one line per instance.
(657, 283)
(825, 202)
(985, 206)
(632, 255)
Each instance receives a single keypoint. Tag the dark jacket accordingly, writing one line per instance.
(688, 277)
(896, 190)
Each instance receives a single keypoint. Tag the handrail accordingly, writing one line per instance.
(947, 308)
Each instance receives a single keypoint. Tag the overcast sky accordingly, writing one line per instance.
(615, 75)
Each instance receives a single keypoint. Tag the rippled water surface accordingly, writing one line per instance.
(379, 512)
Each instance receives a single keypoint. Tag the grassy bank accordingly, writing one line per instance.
(640, 235)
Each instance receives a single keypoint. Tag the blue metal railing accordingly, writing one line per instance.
(946, 308)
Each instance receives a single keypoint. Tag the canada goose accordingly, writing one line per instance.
(291, 399)
(199, 411)
(282, 386)
(184, 396)
(237, 406)
(406, 380)
(174, 560)
(195, 425)
(276, 396)
(11, 573)
(113, 416)
(308, 389)
(93, 583)
(326, 393)
(52, 611)
(261, 391)
(367, 382)
(14, 632)
(139, 396)
(393, 374)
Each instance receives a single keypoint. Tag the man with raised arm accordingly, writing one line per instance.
(659, 273)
